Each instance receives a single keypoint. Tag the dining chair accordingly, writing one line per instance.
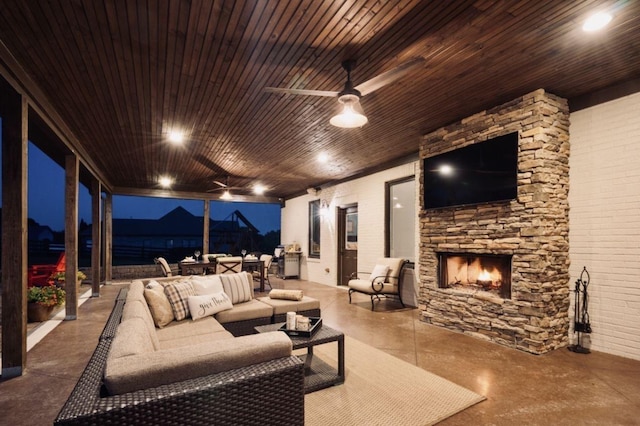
(229, 265)
(266, 259)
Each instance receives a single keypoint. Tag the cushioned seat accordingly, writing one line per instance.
(308, 306)
(253, 309)
(185, 341)
(188, 328)
(384, 280)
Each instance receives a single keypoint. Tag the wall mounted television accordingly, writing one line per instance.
(480, 173)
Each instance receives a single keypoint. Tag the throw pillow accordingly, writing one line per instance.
(277, 293)
(379, 273)
(206, 284)
(153, 284)
(178, 293)
(208, 304)
(159, 305)
(238, 287)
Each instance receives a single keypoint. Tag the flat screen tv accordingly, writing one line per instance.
(480, 173)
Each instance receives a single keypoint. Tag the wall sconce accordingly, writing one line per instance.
(324, 208)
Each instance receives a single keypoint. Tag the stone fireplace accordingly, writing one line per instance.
(523, 299)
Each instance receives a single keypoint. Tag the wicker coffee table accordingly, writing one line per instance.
(318, 374)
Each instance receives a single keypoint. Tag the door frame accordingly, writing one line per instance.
(341, 228)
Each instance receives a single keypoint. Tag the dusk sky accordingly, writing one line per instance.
(46, 201)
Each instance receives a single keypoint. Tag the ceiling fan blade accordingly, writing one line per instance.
(301, 92)
(228, 188)
(389, 76)
(217, 182)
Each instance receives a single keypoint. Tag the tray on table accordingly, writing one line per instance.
(315, 323)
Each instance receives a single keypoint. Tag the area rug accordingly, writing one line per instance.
(381, 389)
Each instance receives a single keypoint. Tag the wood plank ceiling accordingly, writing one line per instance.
(123, 74)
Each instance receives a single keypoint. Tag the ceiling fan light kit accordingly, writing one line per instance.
(351, 115)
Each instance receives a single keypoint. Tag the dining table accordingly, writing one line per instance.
(193, 267)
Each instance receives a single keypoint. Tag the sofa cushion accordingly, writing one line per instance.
(206, 284)
(140, 309)
(178, 294)
(195, 340)
(245, 311)
(282, 306)
(132, 338)
(159, 305)
(239, 287)
(136, 291)
(278, 293)
(186, 328)
(208, 304)
(152, 369)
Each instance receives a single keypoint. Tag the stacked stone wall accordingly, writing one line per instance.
(534, 229)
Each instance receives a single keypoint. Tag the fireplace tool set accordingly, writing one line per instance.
(581, 315)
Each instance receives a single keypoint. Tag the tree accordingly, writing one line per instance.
(270, 241)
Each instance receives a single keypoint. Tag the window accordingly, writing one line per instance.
(314, 229)
(351, 230)
(400, 238)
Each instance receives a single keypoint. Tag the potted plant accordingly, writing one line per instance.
(42, 300)
(59, 277)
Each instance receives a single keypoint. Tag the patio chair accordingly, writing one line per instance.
(40, 275)
(266, 259)
(229, 265)
(384, 281)
(212, 258)
(164, 266)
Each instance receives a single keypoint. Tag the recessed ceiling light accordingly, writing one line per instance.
(176, 137)
(258, 189)
(165, 181)
(323, 158)
(596, 21)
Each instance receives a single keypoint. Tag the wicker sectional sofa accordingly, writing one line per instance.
(189, 372)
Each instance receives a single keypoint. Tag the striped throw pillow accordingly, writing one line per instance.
(237, 287)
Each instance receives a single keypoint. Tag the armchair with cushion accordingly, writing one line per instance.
(384, 280)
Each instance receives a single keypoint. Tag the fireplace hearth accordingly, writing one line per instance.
(476, 272)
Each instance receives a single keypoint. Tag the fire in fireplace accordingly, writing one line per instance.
(486, 272)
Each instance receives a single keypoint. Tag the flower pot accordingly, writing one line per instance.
(38, 313)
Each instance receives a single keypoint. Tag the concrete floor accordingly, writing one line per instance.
(557, 388)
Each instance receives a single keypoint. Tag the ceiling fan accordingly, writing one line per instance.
(352, 114)
(226, 194)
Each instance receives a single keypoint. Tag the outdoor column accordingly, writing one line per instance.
(205, 227)
(108, 237)
(96, 242)
(72, 167)
(14, 232)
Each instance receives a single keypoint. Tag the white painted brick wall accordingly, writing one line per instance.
(604, 235)
(368, 192)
